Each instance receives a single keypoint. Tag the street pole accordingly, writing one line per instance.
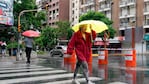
(133, 38)
(19, 31)
(111, 3)
(133, 35)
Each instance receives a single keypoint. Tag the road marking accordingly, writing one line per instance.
(29, 79)
(69, 81)
(117, 83)
(37, 69)
(24, 67)
(33, 73)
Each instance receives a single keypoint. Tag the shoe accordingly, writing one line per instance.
(89, 82)
(28, 62)
(74, 81)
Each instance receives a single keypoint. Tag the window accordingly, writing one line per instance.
(147, 20)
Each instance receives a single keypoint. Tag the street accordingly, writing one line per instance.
(52, 70)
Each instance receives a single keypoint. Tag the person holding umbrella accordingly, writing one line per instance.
(28, 41)
(81, 42)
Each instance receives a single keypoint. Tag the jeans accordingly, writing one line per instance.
(84, 66)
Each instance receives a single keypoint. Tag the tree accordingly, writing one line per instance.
(48, 38)
(92, 15)
(64, 30)
(28, 18)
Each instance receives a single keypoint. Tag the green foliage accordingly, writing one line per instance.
(64, 30)
(48, 37)
(70, 32)
(14, 44)
(40, 52)
(92, 15)
(27, 18)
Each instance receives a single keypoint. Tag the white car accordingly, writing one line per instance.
(60, 49)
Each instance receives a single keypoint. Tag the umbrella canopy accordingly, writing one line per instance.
(1, 42)
(31, 33)
(97, 26)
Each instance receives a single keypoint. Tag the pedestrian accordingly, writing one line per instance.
(3, 46)
(81, 42)
(29, 42)
(0, 47)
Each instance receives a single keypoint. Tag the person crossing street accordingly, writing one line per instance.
(81, 42)
(28, 48)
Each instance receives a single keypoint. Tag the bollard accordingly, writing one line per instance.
(130, 59)
(103, 57)
(71, 59)
(90, 58)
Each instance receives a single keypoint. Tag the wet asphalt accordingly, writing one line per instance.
(114, 71)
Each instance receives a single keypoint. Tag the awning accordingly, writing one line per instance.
(146, 37)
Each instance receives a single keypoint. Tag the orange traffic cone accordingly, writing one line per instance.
(71, 59)
(103, 57)
(130, 59)
(90, 58)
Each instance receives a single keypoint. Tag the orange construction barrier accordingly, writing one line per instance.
(130, 59)
(71, 59)
(103, 57)
(130, 76)
(90, 58)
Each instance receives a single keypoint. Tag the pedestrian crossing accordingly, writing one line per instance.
(34, 74)
(38, 75)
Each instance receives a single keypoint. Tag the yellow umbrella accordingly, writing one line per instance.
(97, 26)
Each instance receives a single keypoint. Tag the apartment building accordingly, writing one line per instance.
(57, 10)
(130, 19)
(87, 5)
(125, 14)
(74, 12)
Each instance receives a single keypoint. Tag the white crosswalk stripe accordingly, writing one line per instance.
(39, 75)
(69, 81)
(117, 83)
(36, 69)
(31, 73)
(23, 67)
(29, 79)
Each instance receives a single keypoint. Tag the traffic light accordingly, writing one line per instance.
(19, 28)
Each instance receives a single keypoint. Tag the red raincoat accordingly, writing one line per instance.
(82, 47)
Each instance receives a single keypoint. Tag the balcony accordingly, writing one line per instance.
(124, 4)
(146, 0)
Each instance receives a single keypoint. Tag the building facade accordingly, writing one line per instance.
(57, 10)
(74, 11)
(125, 14)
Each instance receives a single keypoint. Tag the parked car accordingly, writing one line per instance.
(60, 49)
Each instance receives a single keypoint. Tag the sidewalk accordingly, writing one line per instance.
(7, 61)
(10, 61)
